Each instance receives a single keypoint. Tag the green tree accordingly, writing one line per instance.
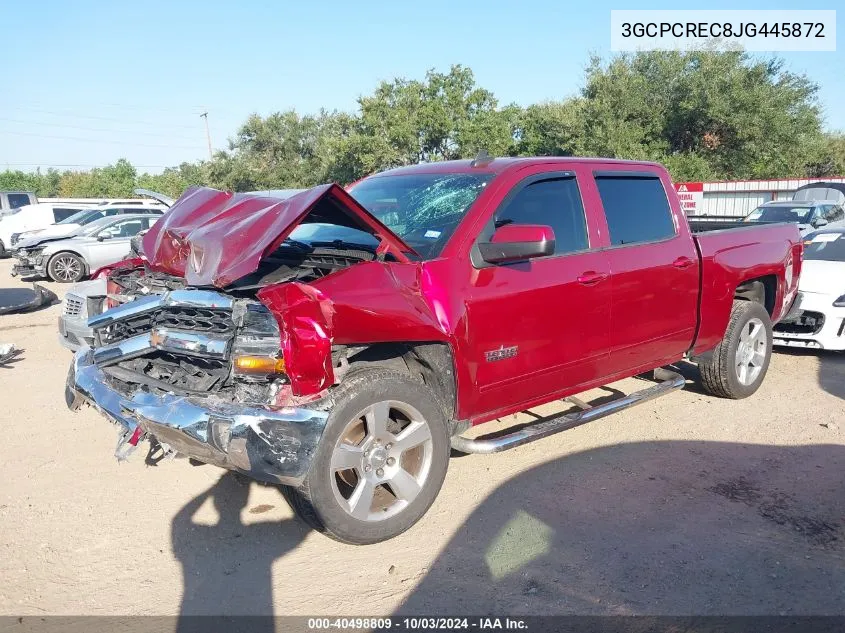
(706, 113)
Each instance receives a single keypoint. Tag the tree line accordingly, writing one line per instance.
(707, 115)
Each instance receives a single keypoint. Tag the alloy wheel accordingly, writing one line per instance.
(382, 461)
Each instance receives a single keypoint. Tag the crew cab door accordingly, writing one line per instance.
(654, 266)
(538, 326)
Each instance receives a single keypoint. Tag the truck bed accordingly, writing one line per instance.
(704, 223)
(707, 223)
(761, 250)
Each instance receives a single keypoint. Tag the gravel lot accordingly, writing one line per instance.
(685, 505)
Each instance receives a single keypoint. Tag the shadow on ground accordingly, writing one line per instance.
(226, 568)
(657, 528)
(832, 373)
(670, 528)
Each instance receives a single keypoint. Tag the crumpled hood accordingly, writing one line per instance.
(213, 237)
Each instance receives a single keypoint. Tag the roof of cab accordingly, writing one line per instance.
(498, 165)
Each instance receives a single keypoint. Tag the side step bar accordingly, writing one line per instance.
(669, 381)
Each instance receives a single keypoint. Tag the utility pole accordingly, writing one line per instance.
(204, 115)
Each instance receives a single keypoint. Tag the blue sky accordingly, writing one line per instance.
(86, 83)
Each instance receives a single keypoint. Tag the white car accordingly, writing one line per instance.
(71, 225)
(818, 321)
(808, 215)
(81, 301)
(102, 242)
(31, 217)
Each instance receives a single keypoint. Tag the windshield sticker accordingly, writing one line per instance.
(432, 234)
(826, 237)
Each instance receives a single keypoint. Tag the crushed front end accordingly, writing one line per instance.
(199, 373)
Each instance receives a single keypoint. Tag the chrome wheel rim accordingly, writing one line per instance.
(751, 352)
(67, 268)
(382, 461)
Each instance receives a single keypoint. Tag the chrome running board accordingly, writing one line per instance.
(668, 381)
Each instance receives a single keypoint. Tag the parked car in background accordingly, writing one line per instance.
(82, 300)
(88, 298)
(808, 215)
(827, 191)
(818, 318)
(71, 225)
(99, 243)
(16, 224)
(341, 343)
(11, 200)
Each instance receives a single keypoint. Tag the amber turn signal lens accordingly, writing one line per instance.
(259, 365)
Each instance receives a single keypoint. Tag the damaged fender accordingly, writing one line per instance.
(305, 318)
(371, 302)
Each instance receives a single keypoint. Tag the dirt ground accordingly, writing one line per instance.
(685, 505)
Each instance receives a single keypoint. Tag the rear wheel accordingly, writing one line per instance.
(66, 268)
(380, 463)
(740, 361)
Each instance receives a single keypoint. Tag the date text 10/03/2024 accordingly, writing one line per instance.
(417, 623)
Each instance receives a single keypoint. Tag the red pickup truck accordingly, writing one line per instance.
(340, 343)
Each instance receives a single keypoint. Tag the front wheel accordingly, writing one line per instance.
(380, 463)
(66, 268)
(740, 361)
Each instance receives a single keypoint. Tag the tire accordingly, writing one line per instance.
(722, 375)
(66, 268)
(2, 250)
(321, 500)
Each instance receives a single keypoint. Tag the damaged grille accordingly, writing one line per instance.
(203, 320)
(182, 342)
(168, 372)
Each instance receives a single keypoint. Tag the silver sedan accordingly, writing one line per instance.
(67, 260)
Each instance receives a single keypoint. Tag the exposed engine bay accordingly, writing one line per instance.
(237, 349)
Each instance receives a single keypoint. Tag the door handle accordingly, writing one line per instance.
(682, 262)
(591, 277)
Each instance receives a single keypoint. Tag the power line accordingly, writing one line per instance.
(95, 129)
(90, 140)
(88, 166)
(72, 115)
(194, 109)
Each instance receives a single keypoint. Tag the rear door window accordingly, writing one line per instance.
(636, 208)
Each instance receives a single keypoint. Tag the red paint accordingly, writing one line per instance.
(522, 233)
(105, 271)
(732, 256)
(305, 317)
(578, 321)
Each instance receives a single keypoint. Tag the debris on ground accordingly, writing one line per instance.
(13, 300)
(8, 352)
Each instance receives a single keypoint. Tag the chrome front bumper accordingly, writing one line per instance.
(74, 333)
(272, 445)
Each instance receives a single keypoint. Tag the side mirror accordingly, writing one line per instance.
(101, 237)
(518, 242)
(820, 223)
